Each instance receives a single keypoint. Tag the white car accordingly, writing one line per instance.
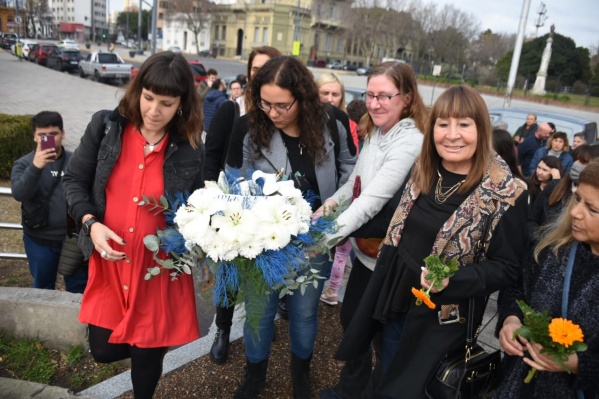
(27, 44)
(69, 44)
(175, 49)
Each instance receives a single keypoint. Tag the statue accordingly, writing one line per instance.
(539, 87)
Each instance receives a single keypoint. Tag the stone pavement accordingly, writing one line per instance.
(27, 88)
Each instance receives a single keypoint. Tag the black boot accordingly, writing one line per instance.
(300, 376)
(282, 310)
(255, 378)
(220, 347)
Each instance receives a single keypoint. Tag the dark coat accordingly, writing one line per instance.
(213, 100)
(424, 341)
(541, 287)
(93, 161)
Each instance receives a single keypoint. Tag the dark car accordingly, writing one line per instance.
(207, 53)
(8, 39)
(39, 52)
(350, 67)
(64, 59)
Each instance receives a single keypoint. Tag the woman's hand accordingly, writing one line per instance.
(326, 208)
(427, 283)
(542, 362)
(100, 235)
(555, 173)
(512, 346)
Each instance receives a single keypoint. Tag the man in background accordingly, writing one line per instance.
(526, 130)
(236, 89)
(36, 182)
(527, 149)
(207, 84)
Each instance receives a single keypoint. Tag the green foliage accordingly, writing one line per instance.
(27, 359)
(75, 353)
(16, 138)
(439, 270)
(568, 62)
(535, 328)
(133, 17)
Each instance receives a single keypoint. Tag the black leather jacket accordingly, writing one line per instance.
(93, 161)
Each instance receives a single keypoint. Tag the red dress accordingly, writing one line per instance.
(154, 313)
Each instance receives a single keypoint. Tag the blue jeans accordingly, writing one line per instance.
(303, 318)
(392, 333)
(43, 265)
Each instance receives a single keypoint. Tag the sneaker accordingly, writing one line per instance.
(328, 297)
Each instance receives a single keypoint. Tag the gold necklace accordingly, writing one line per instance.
(440, 196)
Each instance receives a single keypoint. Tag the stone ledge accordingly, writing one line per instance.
(47, 315)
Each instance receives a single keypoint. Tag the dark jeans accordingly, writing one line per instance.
(43, 265)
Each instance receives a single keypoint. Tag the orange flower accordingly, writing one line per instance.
(564, 332)
(423, 297)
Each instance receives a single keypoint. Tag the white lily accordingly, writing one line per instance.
(235, 225)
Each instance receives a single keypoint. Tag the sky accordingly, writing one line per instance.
(576, 19)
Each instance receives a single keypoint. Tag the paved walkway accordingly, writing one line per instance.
(27, 88)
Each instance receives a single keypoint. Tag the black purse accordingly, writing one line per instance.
(473, 374)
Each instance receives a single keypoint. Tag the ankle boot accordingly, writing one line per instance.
(255, 379)
(220, 347)
(300, 376)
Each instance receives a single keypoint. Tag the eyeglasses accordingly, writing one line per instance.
(280, 108)
(382, 99)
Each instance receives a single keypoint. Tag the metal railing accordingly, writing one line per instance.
(6, 192)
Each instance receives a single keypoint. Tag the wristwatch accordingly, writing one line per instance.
(87, 226)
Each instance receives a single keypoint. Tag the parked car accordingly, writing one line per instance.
(105, 66)
(363, 71)
(515, 117)
(207, 53)
(67, 43)
(334, 65)
(8, 39)
(175, 49)
(63, 59)
(349, 67)
(353, 94)
(27, 45)
(39, 52)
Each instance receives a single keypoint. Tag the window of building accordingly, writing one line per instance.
(224, 32)
(332, 12)
(215, 32)
(256, 34)
(160, 15)
(265, 35)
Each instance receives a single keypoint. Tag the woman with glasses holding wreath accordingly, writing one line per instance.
(396, 119)
(287, 133)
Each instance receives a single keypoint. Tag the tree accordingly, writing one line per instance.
(194, 14)
(35, 11)
(130, 27)
(568, 62)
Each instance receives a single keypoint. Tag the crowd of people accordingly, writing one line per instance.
(518, 214)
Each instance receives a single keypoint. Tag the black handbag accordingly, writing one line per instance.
(473, 373)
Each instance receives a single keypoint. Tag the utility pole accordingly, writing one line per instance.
(296, 34)
(139, 50)
(17, 18)
(542, 11)
(154, 22)
(93, 27)
(517, 52)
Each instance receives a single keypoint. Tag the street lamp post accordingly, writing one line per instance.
(139, 50)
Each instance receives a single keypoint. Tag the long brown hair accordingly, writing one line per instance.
(456, 102)
(290, 74)
(271, 52)
(166, 74)
(559, 233)
(404, 78)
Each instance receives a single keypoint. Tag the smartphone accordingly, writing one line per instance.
(48, 142)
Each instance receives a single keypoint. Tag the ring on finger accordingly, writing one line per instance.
(104, 254)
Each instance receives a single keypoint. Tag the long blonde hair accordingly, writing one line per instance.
(559, 233)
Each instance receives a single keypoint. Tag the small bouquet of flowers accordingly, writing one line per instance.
(246, 236)
(559, 337)
(438, 270)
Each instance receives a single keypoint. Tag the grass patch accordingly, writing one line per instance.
(26, 359)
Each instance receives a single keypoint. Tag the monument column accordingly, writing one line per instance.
(539, 87)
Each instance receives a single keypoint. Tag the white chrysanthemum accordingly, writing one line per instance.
(252, 249)
(194, 218)
(219, 250)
